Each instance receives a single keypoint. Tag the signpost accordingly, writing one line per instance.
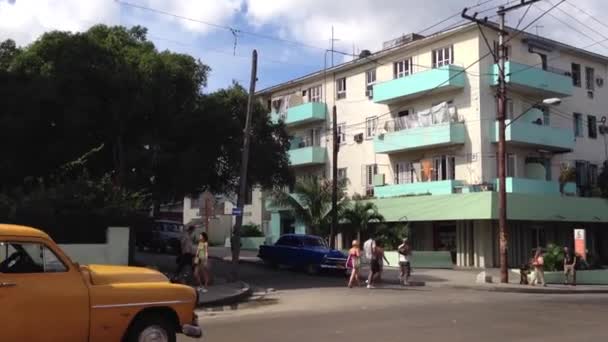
(580, 243)
(237, 211)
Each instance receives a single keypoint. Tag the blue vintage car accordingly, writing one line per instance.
(307, 252)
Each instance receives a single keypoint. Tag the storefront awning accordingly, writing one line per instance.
(484, 206)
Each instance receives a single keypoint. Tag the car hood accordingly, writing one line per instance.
(330, 253)
(110, 274)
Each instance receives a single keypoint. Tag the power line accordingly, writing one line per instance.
(231, 29)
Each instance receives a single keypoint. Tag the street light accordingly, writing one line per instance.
(552, 101)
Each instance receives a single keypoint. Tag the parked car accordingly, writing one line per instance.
(162, 236)
(59, 300)
(307, 252)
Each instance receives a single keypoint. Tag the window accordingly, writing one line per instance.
(370, 80)
(592, 126)
(582, 174)
(315, 94)
(341, 88)
(443, 56)
(443, 168)
(404, 173)
(576, 74)
(370, 171)
(578, 125)
(28, 257)
(342, 133)
(402, 68)
(546, 116)
(371, 124)
(590, 78)
(593, 174)
(342, 175)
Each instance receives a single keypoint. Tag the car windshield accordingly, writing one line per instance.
(313, 242)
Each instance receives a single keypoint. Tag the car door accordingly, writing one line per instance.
(43, 296)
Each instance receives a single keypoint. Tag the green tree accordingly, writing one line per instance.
(310, 203)
(359, 214)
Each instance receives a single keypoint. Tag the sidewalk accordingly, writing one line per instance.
(224, 293)
(463, 279)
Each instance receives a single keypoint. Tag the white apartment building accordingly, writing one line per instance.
(417, 134)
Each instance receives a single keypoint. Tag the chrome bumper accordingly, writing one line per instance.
(192, 330)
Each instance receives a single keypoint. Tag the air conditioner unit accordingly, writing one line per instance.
(603, 129)
(568, 73)
(590, 94)
(369, 92)
(599, 81)
(359, 138)
(369, 191)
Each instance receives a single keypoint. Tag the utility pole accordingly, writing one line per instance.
(501, 111)
(334, 167)
(235, 242)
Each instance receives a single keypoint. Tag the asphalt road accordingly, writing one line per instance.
(320, 309)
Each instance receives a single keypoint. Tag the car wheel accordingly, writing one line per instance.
(152, 328)
(270, 263)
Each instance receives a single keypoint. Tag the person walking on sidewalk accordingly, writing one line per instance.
(354, 263)
(201, 262)
(538, 263)
(405, 252)
(187, 252)
(377, 258)
(569, 267)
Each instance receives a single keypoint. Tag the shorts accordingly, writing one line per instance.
(405, 267)
(375, 266)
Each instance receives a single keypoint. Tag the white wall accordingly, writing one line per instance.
(114, 252)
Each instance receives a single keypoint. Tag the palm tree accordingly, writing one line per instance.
(360, 214)
(310, 202)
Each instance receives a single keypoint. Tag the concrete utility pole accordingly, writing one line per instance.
(235, 242)
(334, 167)
(502, 101)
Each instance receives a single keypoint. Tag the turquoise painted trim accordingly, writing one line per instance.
(590, 277)
(522, 132)
(423, 259)
(308, 156)
(535, 186)
(443, 78)
(434, 188)
(304, 113)
(445, 134)
(535, 79)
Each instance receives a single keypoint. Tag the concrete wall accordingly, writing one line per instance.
(114, 252)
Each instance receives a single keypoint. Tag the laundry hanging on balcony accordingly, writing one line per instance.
(440, 113)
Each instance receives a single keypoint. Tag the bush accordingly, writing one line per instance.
(554, 258)
(392, 236)
(251, 230)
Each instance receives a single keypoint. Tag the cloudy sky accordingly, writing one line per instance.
(300, 29)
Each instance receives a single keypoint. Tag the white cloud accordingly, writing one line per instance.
(213, 11)
(25, 20)
(368, 23)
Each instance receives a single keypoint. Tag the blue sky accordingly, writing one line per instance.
(359, 24)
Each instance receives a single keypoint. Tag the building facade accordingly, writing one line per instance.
(417, 135)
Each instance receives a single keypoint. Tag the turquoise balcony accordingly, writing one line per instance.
(535, 80)
(304, 113)
(422, 188)
(445, 134)
(536, 186)
(525, 133)
(445, 78)
(305, 156)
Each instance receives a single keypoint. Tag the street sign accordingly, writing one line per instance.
(237, 211)
(580, 243)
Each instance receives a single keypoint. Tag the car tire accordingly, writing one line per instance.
(152, 326)
(270, 264)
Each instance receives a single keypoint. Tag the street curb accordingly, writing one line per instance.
(523, 289)
(244, 293)
(241, 261)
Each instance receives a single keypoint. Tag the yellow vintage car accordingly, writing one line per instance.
(44, 296)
